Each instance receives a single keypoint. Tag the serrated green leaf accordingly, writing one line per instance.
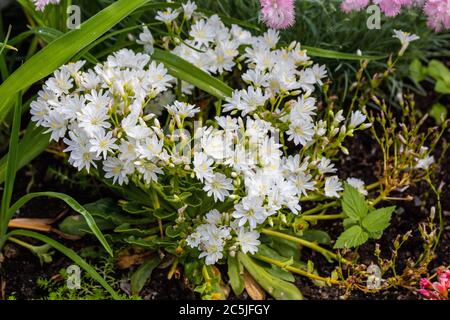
(235, 271)
(351, 238)
(141, 276)
(349, 222)
(378, 220)
(353, 203)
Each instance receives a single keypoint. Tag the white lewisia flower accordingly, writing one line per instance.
(150, 148)
(214, 217)
(218, 186)
(93, 120)
(212, 252)
(227, 123)
(146, 39)
(325, 166)
(167, 16)
(202, 166)
(251, 99)
(39, 110)
(56, 123)
(358, 184)
(332, 187)
(182, 109)
(103, 143)
(356, 119)
(319, 72)
(216, 145)
(256, 78)
(194, 239)
(248, 241)
(303, 183)
(405, 39)
(189, 8)
(117, 170)
(202, 33)
(425, 163)
(250, 210)
(61, 83)
(301, 132)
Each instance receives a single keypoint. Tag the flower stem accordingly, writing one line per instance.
(321, 207)
(324, 217)
(295, 270)
(305, 243)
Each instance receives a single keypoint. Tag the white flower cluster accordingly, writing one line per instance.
(108, 118)
(100, 115)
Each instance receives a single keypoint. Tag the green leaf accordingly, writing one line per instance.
(77, 226)
(235, 271)
(286, 248)
(439, 112)
(442, 86)
(70, 254)
(349, 222)
(62, 49)
(351, 238)
(163, 214)
(417, 71)
(33, 143)
(353, 203)
(184, 70)
(73, 204)
(11, 167)
(143, 274)
(331, 54)
(318, 236)
(378, 220)
(280, 273)
(133, 207)
(439, 71)
(277, 288)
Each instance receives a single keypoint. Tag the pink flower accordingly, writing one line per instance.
(41, 4)
(437, 290)
(438, 13)
(354, 5)
(425, 283)
(278, 14)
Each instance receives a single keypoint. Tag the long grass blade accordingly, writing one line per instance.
(183, 70)
(331, 54)
(11, 167)
(71, 255)
(72, 203)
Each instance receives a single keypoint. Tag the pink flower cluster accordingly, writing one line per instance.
(437, 11)
(41, 4)
(278, 14)
(437, 290)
